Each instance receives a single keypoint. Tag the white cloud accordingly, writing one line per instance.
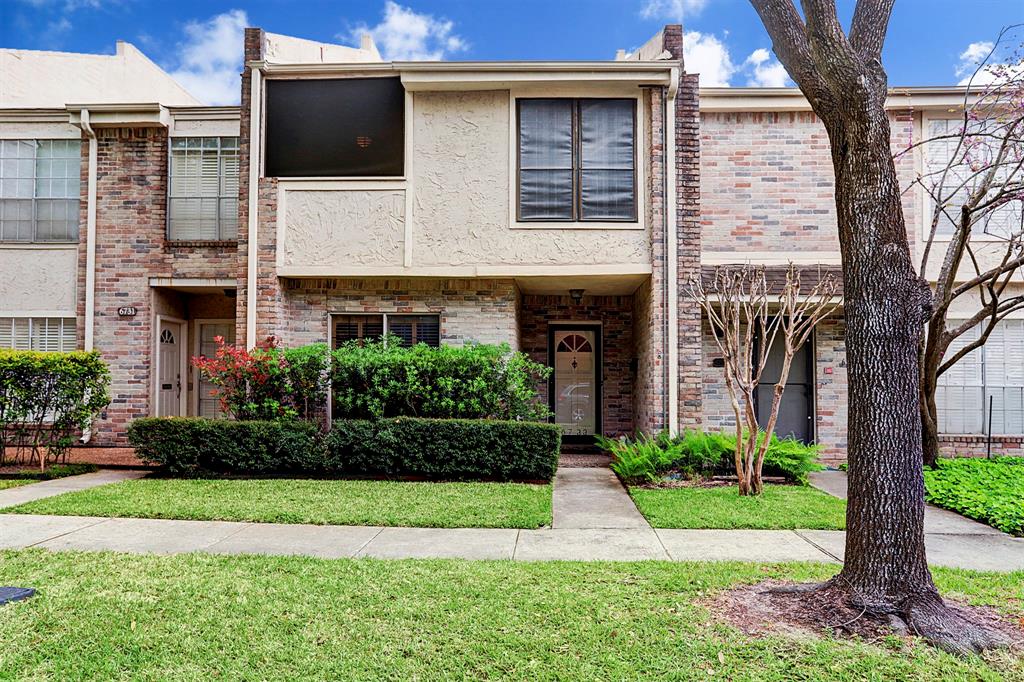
(673, 10)
(705, 54)
(210, 58)
(405, 35)
(53, 35)
(992, 72)
(767, 72)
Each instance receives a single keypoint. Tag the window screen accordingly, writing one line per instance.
(994, 372)
(577, 159)
(335, 127)
(38, 333)
(203, 189)
(357, 328)
(40, 186)
(413, 329)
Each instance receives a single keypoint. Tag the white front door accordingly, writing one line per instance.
(169, 347)
(575, 382)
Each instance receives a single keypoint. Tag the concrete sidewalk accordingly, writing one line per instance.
(12, 497)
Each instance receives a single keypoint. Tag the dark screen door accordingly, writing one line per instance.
(797, 409)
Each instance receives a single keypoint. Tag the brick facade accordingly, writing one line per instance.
(615, 314)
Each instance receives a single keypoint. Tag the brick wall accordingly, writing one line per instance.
(252, 51)
(131, 190)
(477, 310)
(615, 313)
(977, 446)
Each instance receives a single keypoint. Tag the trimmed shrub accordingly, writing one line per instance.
(252, 384)
(46, 399)
(445, 448)
(385, 379)
(188, 446)
(647, 459)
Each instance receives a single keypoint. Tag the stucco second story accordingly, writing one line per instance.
(456, 168)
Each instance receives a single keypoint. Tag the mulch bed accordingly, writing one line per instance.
(756, 611)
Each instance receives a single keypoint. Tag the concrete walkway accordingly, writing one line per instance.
(12, 497)
(576, 535)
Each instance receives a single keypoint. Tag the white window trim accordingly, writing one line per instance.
(640, 145)
(926, 203)
(46, 314)
(35, 179)
(196, 345)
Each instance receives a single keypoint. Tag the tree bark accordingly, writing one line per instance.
(886, 307)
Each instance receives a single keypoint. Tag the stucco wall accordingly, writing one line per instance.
(38, 279)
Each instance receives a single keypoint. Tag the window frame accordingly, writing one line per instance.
(34, 239)
(63, 321)
(518, 221)
(220, 197)
(384, 317)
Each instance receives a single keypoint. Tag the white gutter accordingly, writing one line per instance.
(672, 257)
(255, 113)
(90, 233)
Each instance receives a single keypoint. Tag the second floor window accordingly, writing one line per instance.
(40, 186)
(576, 160)
(202, 201)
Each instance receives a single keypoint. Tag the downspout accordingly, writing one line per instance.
(90, 245)
(672, 254)
(255, 114)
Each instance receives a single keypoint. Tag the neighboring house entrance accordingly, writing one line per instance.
(575, 395)
(796, 413)
(169, 356)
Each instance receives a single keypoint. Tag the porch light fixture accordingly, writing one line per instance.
(576, 295)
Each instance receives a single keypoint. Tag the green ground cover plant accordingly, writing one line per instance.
(778, 507)
(199, 616)
(648, 459)
(987, 490)
(357, 503)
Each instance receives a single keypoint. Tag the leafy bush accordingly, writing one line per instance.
(698, 453)
(308, 377)
(432, 448)
(46, 399)
(385, 379)
(445, 448)
(249, 384)
(187, 446)
(988, 490)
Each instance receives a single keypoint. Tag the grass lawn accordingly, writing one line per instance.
(988, 490)
(779, 507)
(117, 616)
(14, 482)
(361, 503)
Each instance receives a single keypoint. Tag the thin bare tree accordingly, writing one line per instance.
(747, 321)
(886, 305)
(973, 176)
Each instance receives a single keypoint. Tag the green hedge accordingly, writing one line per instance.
(989, 490)
(697, 453)
(187, 446)
(445, 448)
(405, 446)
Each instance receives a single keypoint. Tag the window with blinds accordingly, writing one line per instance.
(38, 333)
(576, 160)
(202, 199)
(40, 185)
(968, 161)
(993, 373)
(411, 329)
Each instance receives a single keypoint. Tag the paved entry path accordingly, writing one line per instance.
(594, 520)
(58, 486)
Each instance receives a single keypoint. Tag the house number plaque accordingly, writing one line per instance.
(127, 311)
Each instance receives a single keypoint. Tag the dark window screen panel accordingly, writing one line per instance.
(607, 159)
(335, 127)
(545, 159)
(357, 328)
(413, 329)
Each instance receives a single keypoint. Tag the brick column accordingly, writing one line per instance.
(253, 51)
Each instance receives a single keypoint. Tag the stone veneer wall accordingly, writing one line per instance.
(131, 247)
(615, 313)
(471, 310)
(830, 389)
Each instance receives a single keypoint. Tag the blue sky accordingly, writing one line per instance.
(199, 42)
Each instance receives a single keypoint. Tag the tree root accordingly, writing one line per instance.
(951, 629)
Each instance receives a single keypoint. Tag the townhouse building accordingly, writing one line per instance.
(559, 207)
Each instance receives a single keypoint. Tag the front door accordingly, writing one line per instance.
(575, 396)
(169, 344)
(796, 411)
